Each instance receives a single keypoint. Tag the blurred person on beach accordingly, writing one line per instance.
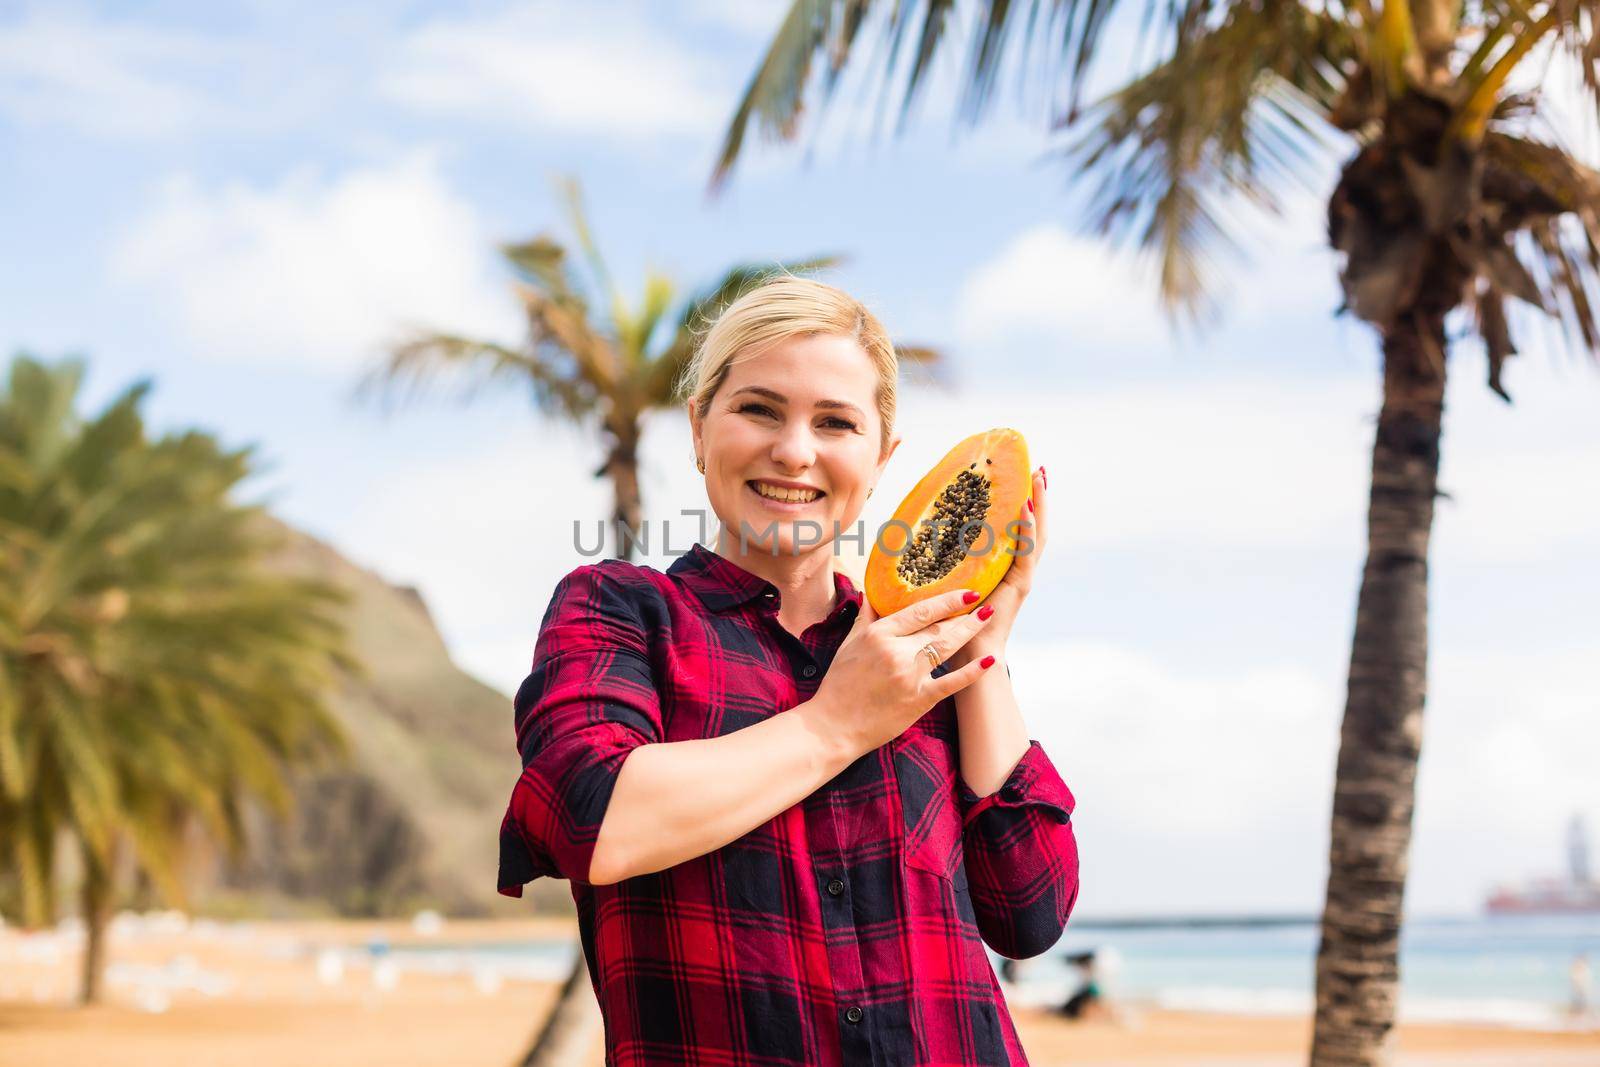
(764, 795)
(1087, 1001)
(1581, 978)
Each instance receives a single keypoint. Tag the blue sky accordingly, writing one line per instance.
(244, 204)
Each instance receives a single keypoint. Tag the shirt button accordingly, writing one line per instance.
(854, 1015)
(809, 670)
(836, 887)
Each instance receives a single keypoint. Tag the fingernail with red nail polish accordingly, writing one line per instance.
(985, 611)
(1030, 503)
(986, 662)
(1045, 476)
(968, 597)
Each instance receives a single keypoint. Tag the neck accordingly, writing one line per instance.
(804, 579)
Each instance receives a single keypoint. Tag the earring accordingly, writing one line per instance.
(869, 493)
(700, 463)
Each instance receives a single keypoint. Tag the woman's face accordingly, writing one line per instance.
(792, 438)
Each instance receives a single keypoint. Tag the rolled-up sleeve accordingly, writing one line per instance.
(1021, 856)
(588, 702)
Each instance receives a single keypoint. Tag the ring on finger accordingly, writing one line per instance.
(932, 653)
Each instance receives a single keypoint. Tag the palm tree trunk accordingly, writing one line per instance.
(1381, 739)
(627, 511)
(98, 899)
(563, 1040)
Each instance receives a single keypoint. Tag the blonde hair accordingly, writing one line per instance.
(782, 307)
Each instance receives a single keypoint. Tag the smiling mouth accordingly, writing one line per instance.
(785, 496)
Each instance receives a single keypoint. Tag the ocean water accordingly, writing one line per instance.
(1509, 971)
(1506, 970)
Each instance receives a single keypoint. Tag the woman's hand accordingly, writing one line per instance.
(880, 681)
(1013, 589)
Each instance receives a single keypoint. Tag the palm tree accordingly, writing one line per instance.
(151, 673)
(1448, 201)
(606, 373)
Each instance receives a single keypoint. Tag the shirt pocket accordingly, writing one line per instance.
(925, 769)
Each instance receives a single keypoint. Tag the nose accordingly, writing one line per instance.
(794, 450)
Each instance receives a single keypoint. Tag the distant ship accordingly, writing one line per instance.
(1576, 894)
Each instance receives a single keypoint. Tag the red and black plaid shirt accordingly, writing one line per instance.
(848, 929)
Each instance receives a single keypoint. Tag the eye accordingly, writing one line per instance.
(843, 424)
(759, 409)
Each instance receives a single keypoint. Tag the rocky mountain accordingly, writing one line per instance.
(413, 819)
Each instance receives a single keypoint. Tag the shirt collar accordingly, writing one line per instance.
(722, 584)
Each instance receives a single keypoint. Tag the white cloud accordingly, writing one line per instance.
(1564, 99)
(576, 68)
(1195, 794)
(1288, 275)
(1259, 731)
(1508, 756)
(1046, 283)
(1079, 302)
(316, 271)
(758, 18)
(486, 534)
(1252, 464)
(111, 80)
(480, 535)
(1212, 793)
(1518, 474)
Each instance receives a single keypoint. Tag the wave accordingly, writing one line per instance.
(1224, 1000)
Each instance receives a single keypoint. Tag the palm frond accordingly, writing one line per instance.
(1471, 120)
(1233, 115)
(931, 366)
(38, 418)
(1580, 37)
(565, 334)
(635, 331)
(421, 360)
(923, 355)
(542, 263)
(775, 96)
(1395, 50)
(935, 17)
(1541, 200)
(571, 195)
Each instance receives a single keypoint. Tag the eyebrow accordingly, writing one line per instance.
(772, 394)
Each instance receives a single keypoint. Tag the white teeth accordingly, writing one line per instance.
(796, 496)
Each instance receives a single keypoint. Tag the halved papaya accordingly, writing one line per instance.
(957, 529)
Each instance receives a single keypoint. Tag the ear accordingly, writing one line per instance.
(694, 426)
(883, 461)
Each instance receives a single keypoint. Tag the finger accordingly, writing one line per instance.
(865, 616)
(949, 635)
(1031, 539)
(913, 617)
(1041, 508)
(952, 683)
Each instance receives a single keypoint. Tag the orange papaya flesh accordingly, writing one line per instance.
(958, 528)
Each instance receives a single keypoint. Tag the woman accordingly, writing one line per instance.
(779, 853)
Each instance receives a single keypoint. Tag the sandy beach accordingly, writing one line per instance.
(309, 993)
